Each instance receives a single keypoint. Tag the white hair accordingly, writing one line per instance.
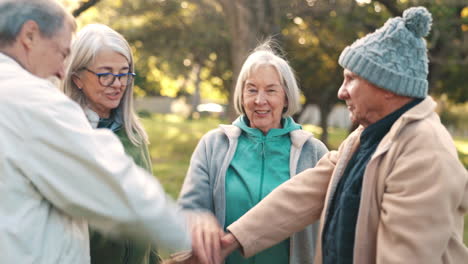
(49, 15)
(89, 42)
(264, 55)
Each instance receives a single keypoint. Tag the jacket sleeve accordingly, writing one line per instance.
(86, 174)
(287, 209)
(196, 192)
(421, 210)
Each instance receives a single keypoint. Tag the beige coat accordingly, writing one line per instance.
(414, 197)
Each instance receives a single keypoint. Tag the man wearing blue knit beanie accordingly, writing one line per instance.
(395, 190)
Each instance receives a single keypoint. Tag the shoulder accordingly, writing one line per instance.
(306, 140)
(427, 133)
(26, 88)
(421, 126)
(223, 133)
(216, 141)
(34, 102)
(123, 137)
(316, 144)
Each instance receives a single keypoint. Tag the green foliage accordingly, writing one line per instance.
(464, 158)
(144, 114)
(169, 39)
(465, 233)
(454, 116)
(462, 148)
(173, 140)
(182, 45)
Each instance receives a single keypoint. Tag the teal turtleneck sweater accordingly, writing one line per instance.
(259, 165)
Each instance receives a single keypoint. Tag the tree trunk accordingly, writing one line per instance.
(85, 5)
(324, 113)
(249, 22)
(196, 95)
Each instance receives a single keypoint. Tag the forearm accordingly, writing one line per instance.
(90, 177)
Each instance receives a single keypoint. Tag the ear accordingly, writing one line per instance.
(77, 81)
(29, 34)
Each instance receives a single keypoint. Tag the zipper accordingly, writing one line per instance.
(262, 174)
(127, 252)
(260, 187)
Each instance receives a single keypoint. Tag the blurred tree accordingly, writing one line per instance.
(179, 46)
(249, 22)
(315, 33)
(198, 46)
(447, 44)
(84, 5)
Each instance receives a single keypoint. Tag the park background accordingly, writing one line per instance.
(189, 52)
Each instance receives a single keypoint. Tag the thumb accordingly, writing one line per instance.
(227, 240)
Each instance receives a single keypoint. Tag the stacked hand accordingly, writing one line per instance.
(210, 245)
(229, 243)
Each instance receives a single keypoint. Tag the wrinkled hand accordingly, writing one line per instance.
(192, 260)
(229, 243)
(206, 238)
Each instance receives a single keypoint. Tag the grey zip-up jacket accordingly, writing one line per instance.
(204, 186)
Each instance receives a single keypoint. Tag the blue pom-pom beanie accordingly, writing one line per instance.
(394, 57)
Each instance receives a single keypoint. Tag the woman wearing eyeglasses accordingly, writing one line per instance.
(99, 77)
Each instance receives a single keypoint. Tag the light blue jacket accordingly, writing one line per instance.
(204, 186)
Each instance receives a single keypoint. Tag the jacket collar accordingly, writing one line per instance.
(22, 73)
(231, 131)
(418, 112)
(92, 117)
(4, 58)
(298, 137)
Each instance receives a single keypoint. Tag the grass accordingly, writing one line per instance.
(174, 138)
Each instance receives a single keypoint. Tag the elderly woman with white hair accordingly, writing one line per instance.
(235, 166)
(99, 77)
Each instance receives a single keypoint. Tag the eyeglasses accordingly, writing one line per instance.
(108, 78)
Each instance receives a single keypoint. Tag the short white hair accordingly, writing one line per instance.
(49, 15)
(264, 55)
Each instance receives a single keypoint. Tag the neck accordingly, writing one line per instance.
(99, 112)
(102, 113)
(390, 106)
(396, 103)
(13, 53)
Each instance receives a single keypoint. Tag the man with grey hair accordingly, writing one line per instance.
(395, 191)
(57, 174)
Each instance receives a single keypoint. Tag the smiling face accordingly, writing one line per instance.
(102, 99)
(366, 102)
(263, 98)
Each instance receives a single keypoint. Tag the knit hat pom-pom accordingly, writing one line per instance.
(418, 20)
